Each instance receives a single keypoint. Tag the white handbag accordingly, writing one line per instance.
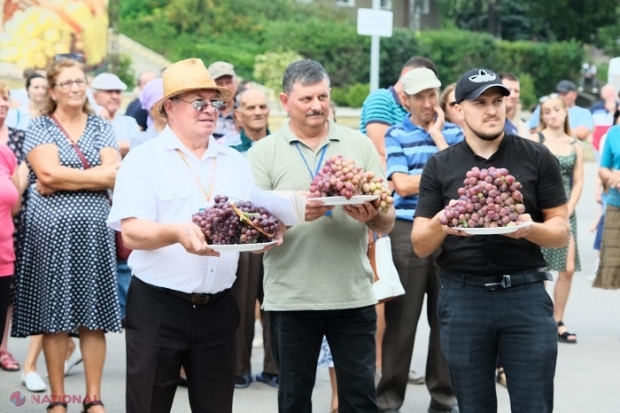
(387, 283)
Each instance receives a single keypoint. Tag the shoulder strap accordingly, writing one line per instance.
(74, 145)
(541, 137)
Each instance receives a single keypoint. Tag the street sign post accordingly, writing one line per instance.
(374, 23)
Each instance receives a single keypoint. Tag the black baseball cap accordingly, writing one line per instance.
(475, 82)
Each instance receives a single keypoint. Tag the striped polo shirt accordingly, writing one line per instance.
(382, 106)
(408, 148)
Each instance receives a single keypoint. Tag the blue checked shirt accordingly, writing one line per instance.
(408, 148)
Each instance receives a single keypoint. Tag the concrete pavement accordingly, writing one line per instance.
(587, 378)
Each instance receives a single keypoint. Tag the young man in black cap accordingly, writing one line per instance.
(493, 300)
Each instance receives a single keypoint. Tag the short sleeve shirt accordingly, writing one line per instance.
(531, 164)
(382, 106)
(125, 128)
(577, 116)
(322, 265)
(610, 158)
(155, 184)
(408, 148)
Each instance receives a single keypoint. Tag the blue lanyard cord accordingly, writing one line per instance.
(318, 166)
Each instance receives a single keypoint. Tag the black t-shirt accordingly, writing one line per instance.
(134, 109)
(531, 164)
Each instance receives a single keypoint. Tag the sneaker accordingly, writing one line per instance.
(415, 378)
(243, 382)
(33, 382)
(269, 379)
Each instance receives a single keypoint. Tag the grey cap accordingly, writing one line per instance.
(565, 86)
(219, 69)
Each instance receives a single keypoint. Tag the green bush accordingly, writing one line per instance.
(352, 96)
(356, 94)
(528, 94)
(338, 95)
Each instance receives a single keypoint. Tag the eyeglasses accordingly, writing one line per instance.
(66, 85)
(200, 104)
(549, 97)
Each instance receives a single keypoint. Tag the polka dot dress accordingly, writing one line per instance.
(68, 262)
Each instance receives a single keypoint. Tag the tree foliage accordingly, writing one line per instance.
(534, 19)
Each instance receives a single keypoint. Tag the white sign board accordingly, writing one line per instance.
(614, 73)
(372, 22)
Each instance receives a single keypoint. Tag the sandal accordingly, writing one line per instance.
(86, 406)
(501, 377)
(55, 404)
(8, 362)
(564, 337)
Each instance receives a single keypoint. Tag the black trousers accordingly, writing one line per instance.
(297, 337)
(247, 289)
(420, 277)
(165, 332)
(516, 324)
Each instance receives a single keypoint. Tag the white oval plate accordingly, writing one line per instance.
(494, 231)
(341, 200)
(240, 247)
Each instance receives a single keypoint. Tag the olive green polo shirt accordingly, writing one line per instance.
(322, 265)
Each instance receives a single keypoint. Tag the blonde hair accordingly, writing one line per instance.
(4, 89)
(541, 123)
(53, 71)
(443, 99)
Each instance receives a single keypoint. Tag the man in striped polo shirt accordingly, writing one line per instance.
(409, 145)
(384, 107)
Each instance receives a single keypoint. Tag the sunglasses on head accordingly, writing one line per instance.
(73, 56)
(549, 97)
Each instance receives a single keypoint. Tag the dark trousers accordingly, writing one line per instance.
(165, 332)
(296, 338)
(516, 324)
(420, 277)
(248, 287)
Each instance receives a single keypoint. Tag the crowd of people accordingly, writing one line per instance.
(96, 236)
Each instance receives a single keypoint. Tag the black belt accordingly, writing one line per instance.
(194, 298)
(499, 281)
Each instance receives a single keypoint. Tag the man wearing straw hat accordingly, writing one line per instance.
(180, 311)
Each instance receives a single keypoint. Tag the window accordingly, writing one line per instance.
(386, 4)
(345, 3)
(425, 7)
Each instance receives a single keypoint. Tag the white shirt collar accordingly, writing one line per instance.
(170, 141)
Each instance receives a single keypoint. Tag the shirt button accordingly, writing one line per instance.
(211, 269)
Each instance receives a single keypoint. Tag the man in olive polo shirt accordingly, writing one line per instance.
(320, 281)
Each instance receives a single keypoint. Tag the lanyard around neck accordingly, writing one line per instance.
(318, 165)
(205, 193)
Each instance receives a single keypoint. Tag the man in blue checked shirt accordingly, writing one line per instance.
(409, 144)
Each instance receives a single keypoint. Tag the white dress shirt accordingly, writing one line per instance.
(155, 184)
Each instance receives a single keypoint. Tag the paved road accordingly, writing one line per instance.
(587, 379)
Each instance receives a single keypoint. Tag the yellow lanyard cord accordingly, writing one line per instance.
(205, 193)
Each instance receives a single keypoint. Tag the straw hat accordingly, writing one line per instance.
(188, 75)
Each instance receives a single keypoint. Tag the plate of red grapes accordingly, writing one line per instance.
(236, 226)
(490, 202)
(341, 182)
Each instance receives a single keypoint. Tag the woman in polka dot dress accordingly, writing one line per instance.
(68, 282)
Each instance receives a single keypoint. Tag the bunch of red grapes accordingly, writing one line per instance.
(341, 177)
(236, 223)
(489, 199)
